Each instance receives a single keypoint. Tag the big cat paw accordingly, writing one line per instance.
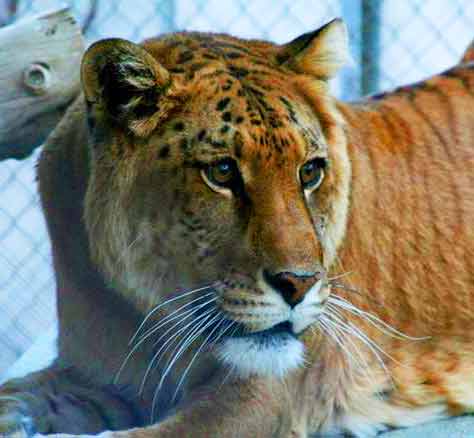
(14, 419)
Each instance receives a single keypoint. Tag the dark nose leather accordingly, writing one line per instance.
(292, 287)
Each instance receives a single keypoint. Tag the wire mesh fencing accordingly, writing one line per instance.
(392, 42)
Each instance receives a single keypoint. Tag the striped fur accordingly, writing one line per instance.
(416, 182)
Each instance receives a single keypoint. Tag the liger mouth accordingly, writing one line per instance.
(277, 333)
(271, 352)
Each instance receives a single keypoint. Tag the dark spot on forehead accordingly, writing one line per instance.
(198, 66)
(219, 144)
(225, 129)
(191, 72)
(176, 70)
(225, 45)
(255, 91)
(239, 119)
(228, 85)
(233, 55)
(238, 144)
(179, 126)
(184, 144)
(276, 141)
(185, 56)
(222, 103)
(164, 151)
(275, 122)
(290, 109)
(201, 135)
(238, 72)
(214, 73)
(227, 116)
(210, 56)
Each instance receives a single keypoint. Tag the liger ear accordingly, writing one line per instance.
(124, 83)
(320, 53)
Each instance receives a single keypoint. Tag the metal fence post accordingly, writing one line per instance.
(351, 77)
(370, 45)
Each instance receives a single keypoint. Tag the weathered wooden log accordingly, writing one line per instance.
(39, 77)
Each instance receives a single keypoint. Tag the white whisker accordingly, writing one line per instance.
(168, 368)
(223, 331)
(172, 316)
(170, 300)
(339, 276)
(359, 361)
(228, 374)
(376, 350)
(169, 342)
(372, 319)
(183, 377)
(232, 367)
(185, 315)
(124, 254)
(331, 329)
(187, 341)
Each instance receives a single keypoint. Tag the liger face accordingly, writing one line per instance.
(234, 197)
(242, 209)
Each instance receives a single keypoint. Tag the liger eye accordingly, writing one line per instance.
(223, 173)
(312, 173)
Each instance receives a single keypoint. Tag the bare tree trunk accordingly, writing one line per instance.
(39, 77)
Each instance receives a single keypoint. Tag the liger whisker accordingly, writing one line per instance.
(339, 337)
(186, 315)
(124, 254)
(374, 320)
(170, 300)
(187, 341)
(188, 368)
(168, 368)
(343, 275)
(227, 375)
(344, 287)
(351, 329)
(331, 329)
(172, 316)
(169, 342)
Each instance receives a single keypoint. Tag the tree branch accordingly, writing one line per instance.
(39, 77)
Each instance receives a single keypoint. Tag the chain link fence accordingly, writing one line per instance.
(392, 42)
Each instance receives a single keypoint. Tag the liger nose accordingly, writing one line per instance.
(292, 287)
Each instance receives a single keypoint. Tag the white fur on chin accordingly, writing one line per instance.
(249, 357)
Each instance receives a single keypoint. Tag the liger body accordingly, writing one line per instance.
(283, 263)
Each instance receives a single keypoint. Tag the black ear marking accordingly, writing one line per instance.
(122, 96)
(124, 83)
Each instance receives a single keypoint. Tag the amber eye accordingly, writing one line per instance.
(223, 173)
(312, 173)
